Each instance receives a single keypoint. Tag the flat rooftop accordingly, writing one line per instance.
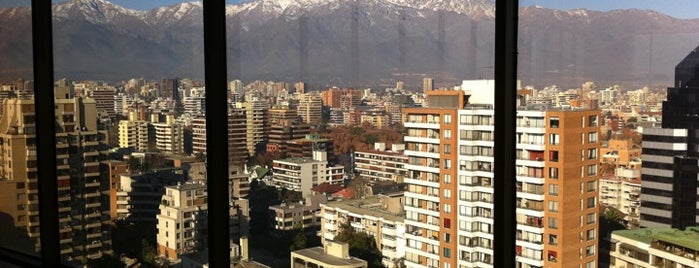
(318, 253)
(299, 160)
(367, 206)
(688, 238)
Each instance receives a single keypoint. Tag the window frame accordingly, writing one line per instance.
(505, 76)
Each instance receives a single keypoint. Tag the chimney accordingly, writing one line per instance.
(244, 248)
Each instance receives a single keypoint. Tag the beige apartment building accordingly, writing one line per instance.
(182, 220)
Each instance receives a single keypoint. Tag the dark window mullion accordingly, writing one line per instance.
(506, 13)
(42, 42)
(216, 131)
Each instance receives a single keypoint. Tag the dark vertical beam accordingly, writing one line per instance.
(216, 131)
(505, 112)
(42, 42)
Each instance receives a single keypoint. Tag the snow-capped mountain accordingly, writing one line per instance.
(396, 39)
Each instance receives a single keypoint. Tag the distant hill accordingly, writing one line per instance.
(95, 39)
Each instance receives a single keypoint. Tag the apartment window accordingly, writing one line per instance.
(447, 237)
(447, 253)
(447, 178)
(592, 170)
(553, 223)
(593, 120)
(553, 156)
(553, 139)
(591, 202)
(591, 186)
(592, 153)
(447, 193)
(553, 239)
(447, 208)
(552, 256)
(553, 173)
(590, 264)
(447, 164)
(554, 122)
(447, 134)
(591, 218)
(447, 224)
(447, 119)
(447, 148)
(553, 206)
(590, 234)
(592, 137)
(553, 189)
(590, 250)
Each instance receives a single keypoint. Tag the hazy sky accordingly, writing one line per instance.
(676, 8)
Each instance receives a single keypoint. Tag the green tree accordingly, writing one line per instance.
(299, 241)
(361, 245)
(611, 220)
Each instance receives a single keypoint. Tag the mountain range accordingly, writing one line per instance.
(354, 42)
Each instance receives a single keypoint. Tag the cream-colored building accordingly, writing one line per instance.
(133, 134)
(182, 220)
(655, 247)
(303, 214)
(332, 254)
(381, 164)
(256, 114)
(310, 108)
(300, 174)
(379, 216)
(169, 135)
(622, 192)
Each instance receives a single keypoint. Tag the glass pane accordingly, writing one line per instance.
(19, 209)
(602, 72)
(336, 79)
(129, 92)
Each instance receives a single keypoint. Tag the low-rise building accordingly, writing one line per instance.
(298, 215)
(379, 216)
(332, 254)
(300, 174)
(655, 247)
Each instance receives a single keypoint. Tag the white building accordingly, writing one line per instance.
(300, 174)
(381, 217)
(623, 192)
(169, 135)
(182, 220)
(381, 164)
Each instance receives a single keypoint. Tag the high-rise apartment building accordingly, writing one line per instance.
(182, 221)
(133, 134)
(381, 164)
(169, 135)
(427, 84)
(341, 98)
(449, 203)
(104, 99)
(310, 108)
(237, 136)
(671, 154)
(256, 113)
(83, 216)
(169, 88)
